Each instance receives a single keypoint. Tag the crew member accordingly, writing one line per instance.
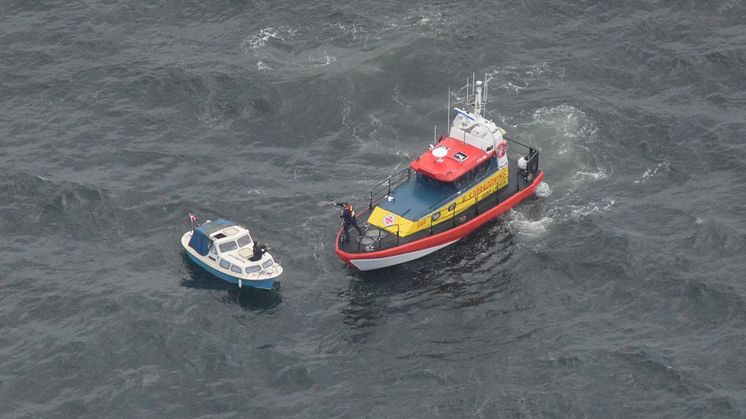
(348, 215)
(259, 250)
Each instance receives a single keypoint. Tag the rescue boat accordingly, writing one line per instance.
(464, 180)
(225, 250)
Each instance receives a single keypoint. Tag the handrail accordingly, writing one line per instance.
(389, 184)
(380, 231)
(517, 142)
(454, 214)
(453, 218)
(405, 175)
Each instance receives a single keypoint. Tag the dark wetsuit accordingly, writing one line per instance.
(348, 215)
(259, 250)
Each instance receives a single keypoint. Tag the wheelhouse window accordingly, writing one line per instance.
(228, 246)
(434, 182)
(244, 241)
(476, 173)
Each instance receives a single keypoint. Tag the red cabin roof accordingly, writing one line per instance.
(449, 160)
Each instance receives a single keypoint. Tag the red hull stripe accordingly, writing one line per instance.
(446, 236)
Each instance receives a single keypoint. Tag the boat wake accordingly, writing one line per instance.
(578, 163)
(514, 79)
(520, 224)
(543, 190)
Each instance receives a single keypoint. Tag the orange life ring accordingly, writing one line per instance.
(502, 148)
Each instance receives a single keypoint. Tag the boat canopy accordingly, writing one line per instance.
(448, 160)
(201, 241)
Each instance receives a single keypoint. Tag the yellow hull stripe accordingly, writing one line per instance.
(394, 223)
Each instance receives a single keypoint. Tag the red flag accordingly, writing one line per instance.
(192, 217)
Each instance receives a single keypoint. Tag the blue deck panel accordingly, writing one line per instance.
(418, 198)
(415, 199)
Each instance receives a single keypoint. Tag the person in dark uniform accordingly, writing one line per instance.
(259, 250)
(348, 215)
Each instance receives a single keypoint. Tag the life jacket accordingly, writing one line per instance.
(349, 208)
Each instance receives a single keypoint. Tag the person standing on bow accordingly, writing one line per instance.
(259, 250)
(349, 220)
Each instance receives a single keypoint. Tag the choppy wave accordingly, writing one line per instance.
(616, 288)
(649, 173)
(515, 79)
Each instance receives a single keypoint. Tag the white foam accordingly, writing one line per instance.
(260, 39)
(570, 138)
(522, 225)
(600, 174)
(543, 190)
(580, 211)
(571, 122)
(517, 78)
(322, 61)
(356, 31)
(597, 175)
(663, 167)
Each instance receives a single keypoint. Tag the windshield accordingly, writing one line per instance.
(447, 186)
(244, 241)
(227, 247)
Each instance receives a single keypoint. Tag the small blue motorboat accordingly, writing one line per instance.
(226, 250)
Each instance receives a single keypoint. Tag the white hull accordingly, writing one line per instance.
(378, 263)
(241, 278)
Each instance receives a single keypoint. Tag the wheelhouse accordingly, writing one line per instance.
(449, 160)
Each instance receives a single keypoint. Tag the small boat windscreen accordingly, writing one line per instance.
(244, 240)
(227, 247)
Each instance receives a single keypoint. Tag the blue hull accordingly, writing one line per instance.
(264, 284)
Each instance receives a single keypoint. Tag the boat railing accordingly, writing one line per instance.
(528, 147)
(454, 217)
(378, 239)
(532, 163)
(383, 189)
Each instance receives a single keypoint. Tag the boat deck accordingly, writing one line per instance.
(375, 239)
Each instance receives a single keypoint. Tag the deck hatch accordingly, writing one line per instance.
(460, 157)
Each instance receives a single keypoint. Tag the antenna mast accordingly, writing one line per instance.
(448, 113)
(474, 84)
(486, 89)
(478, 100)
(467, 90)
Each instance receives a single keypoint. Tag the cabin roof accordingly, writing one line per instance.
(450, 159)
(200, 240)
